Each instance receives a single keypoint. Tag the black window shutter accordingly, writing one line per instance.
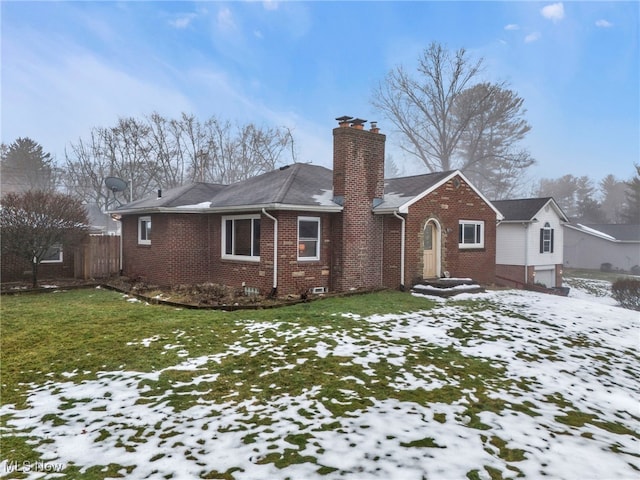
(542, 240)
(552, 240)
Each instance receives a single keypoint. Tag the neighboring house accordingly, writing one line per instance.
(101, 223)
(97, 257)
(305, 227)
(591, 246)
(529, 242)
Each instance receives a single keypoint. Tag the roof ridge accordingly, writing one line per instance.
(445, 172)
(282, 192)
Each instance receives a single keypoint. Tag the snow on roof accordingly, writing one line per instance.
(595, 232)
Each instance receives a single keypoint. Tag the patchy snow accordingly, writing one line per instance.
(195, 206)
(566, 401)
(453, 288)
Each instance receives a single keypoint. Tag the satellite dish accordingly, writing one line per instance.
(115, 184)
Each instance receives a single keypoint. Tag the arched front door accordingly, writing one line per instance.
(431, 250)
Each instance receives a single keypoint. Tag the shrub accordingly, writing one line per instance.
(635, 270)
(626, 292)
(606, 267)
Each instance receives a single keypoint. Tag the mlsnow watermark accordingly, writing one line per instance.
(10, 466)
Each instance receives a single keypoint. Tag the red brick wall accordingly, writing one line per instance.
(186, 249)
(178, 253)
(448, 204)
(359, 178)
(391, 252)
(294, 276)
(513, 275)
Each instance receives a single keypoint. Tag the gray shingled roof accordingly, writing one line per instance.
(299, 186)
(191, 194)
(398, 191)
(523, 209)
(624, 233)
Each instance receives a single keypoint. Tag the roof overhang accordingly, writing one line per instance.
(557, 208)
(404, 208)
(229, 209)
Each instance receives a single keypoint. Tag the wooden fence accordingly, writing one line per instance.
(98, 257)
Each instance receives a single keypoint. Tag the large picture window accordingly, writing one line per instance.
(308, 238)
(144, 230)
(471, 234)
(241, 237)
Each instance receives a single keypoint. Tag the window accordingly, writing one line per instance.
(308, 238)
(53, 255)
(471, 234)
(144, 230)
(241, 237)
(546, 239)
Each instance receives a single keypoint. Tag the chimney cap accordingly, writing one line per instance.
(344, 118)
(357, 122)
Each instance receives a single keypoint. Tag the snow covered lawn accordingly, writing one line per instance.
(496, 385)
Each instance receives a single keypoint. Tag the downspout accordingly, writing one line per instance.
(402, 229)
(274, 290)
(121, 253)
(526, 253)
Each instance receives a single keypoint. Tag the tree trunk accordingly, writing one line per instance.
(34, 274)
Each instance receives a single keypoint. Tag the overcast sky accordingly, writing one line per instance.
(70, 66)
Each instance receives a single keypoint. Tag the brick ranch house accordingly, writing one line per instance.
(304, 227)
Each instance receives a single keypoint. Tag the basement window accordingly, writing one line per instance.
(308, 238)
(471, 234)
(53, 255)
(144, 230)
(241, 237)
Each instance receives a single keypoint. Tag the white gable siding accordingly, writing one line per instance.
(510, 244)
(512, 239)
(547, 214)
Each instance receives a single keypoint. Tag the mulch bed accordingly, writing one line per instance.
(203, 296)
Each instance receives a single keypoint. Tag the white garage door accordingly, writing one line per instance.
(546, 276)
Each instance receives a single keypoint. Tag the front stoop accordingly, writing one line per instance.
(447, 287)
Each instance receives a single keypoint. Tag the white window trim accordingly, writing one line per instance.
(242, 258)
(472, 245)
(546, 243)
(142, 241)
(60, 258)
(317, 257)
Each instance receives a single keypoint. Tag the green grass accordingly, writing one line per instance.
(255, 357)
(87, 331)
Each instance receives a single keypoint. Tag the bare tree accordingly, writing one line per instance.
(158, 152)
(449, 121)
(25, 165)
(35, 221)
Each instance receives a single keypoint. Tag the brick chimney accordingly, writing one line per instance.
(358, 160)
(358, 185)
